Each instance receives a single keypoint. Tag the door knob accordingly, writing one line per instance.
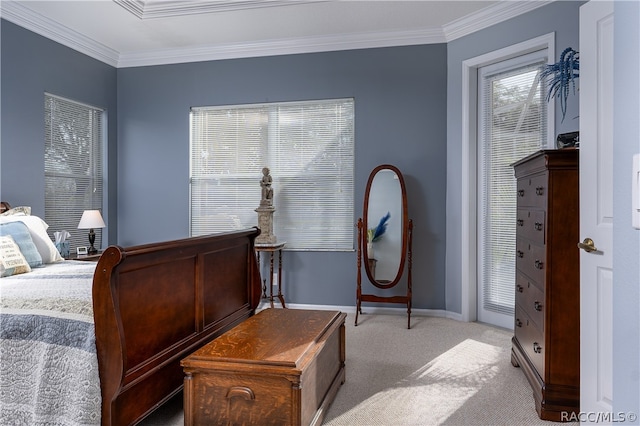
(587, 245)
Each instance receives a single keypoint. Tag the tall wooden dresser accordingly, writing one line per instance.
(546, 341)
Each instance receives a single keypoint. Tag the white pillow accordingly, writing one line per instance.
(38, 230)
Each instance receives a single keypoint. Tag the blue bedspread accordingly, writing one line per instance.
(48, 362)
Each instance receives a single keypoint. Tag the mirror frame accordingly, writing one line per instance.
(404, 228)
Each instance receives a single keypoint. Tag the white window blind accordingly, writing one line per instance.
(73, 166)
(309, 149)
(514, 125)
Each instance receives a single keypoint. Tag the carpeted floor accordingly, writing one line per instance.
(440, 372)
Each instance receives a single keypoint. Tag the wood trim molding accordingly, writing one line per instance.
(20, 15)
(145, 9)
(23, 16)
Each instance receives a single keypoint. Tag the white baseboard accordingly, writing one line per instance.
(369, 310)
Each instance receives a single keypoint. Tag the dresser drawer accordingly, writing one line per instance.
(532, 191)
(546, 342)
(530, 259)
(531, 299)
(531, 340)
(531, 224)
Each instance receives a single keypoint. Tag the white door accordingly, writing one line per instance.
(596, 205)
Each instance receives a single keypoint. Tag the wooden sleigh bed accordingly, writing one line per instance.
(155, 304)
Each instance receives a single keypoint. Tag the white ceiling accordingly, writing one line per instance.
(126, 33)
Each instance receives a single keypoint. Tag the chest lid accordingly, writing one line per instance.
(273, 337)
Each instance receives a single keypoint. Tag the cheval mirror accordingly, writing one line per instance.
(384, 239)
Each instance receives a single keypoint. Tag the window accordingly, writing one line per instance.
(513, 124)
(72, 166)
(308, 146)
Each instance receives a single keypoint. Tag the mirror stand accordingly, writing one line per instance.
(361, 297)
(385, 198)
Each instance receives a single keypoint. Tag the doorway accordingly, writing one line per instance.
(512, 120)
(502, 67)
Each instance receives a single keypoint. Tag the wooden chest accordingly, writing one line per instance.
(546, 342)
(279, 367)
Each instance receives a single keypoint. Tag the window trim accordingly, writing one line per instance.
(468, 243)
(498, 288)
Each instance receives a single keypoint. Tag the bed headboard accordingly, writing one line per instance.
(155, 304)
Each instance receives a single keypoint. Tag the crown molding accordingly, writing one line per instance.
(26, 18)
(282, 47)
(490, 16)
(145, 9)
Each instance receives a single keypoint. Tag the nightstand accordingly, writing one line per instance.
(86, 257)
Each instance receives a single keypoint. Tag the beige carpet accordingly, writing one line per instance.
(440, 372)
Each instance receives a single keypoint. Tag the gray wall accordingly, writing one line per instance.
(559, 17)
(31, 65)
(626, 240)
(400, 98)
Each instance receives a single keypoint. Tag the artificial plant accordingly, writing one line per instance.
(561, 76)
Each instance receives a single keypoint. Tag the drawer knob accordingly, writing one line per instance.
(520, 192)
(518, 323)
(538, 264)
(537, 348)
(537, 306)
(519, 288)
(520, 254)
(540, 190)
(538, 226)
(520, 222)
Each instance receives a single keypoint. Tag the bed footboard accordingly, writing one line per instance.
(154, 304)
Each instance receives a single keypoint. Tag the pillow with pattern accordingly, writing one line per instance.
(21, 236)
(38, 230)
(12, 262)
(20, 210)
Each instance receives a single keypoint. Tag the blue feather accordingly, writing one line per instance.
(382, 227)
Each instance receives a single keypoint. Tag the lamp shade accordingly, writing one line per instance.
(91, 219)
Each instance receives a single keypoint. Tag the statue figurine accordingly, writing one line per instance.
(265, 211)
(267, 191)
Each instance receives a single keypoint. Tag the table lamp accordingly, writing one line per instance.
(91, 219)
